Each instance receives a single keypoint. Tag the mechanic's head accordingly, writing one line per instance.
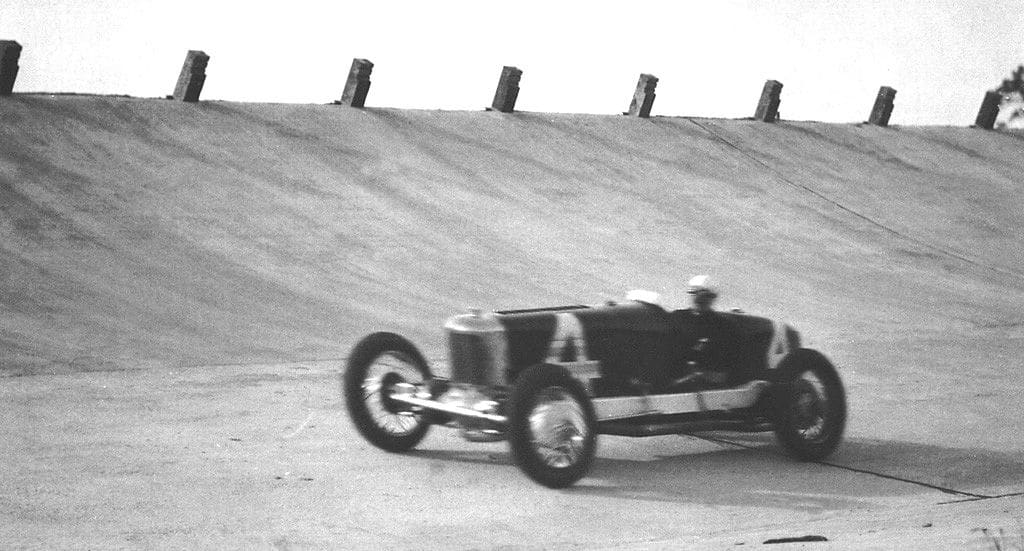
(702, 291)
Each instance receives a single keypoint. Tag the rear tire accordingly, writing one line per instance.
(552, 428)
(376, 365)
(808, 406)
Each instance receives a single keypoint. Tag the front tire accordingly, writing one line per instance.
(552, 428)
(809, 406)
(378, 363)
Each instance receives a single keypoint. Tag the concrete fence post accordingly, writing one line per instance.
(358, 84)
(989, 110)
(10, 52)
(768, 106)
(643, 97)
(192, 77)
(507, 91)
(882, 109)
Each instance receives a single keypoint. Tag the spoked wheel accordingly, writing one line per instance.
(809, 406)
(377, 364)
(552, 426)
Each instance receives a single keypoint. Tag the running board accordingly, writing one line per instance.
(608, 409)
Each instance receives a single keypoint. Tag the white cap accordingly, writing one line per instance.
(700, 284)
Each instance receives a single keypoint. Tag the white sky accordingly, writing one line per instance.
(712, 58)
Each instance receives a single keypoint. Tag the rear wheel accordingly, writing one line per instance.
(809, 406)
(552, 428)
(377, 364)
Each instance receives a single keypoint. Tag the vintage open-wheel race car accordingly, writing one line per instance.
(549, 380)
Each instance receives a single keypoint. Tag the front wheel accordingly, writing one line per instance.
(552, 427)
(377, 364)
(809, 406)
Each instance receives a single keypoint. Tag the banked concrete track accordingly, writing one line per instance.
(139, 231)
(149, 235)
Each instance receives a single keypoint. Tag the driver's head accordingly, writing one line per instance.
(702, 291)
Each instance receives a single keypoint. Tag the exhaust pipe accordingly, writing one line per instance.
(407, 393)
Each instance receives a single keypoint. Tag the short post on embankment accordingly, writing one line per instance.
(10, 52)
(643, 97)
(986, 118)
(882, 109)
(768, 106)
(357, 87)
(508, 90)
(192, 76)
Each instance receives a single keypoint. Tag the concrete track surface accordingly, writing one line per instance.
(181, 284)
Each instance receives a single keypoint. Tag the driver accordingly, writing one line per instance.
(704, 361)
(702, 294)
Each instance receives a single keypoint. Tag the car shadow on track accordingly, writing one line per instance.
(964, 469)
(741, 470)
(753, 469)
(477, 457)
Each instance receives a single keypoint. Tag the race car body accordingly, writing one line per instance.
(626, 342)
(550, 379)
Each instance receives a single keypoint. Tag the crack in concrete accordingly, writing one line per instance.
(901, 235)
(980, 498)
